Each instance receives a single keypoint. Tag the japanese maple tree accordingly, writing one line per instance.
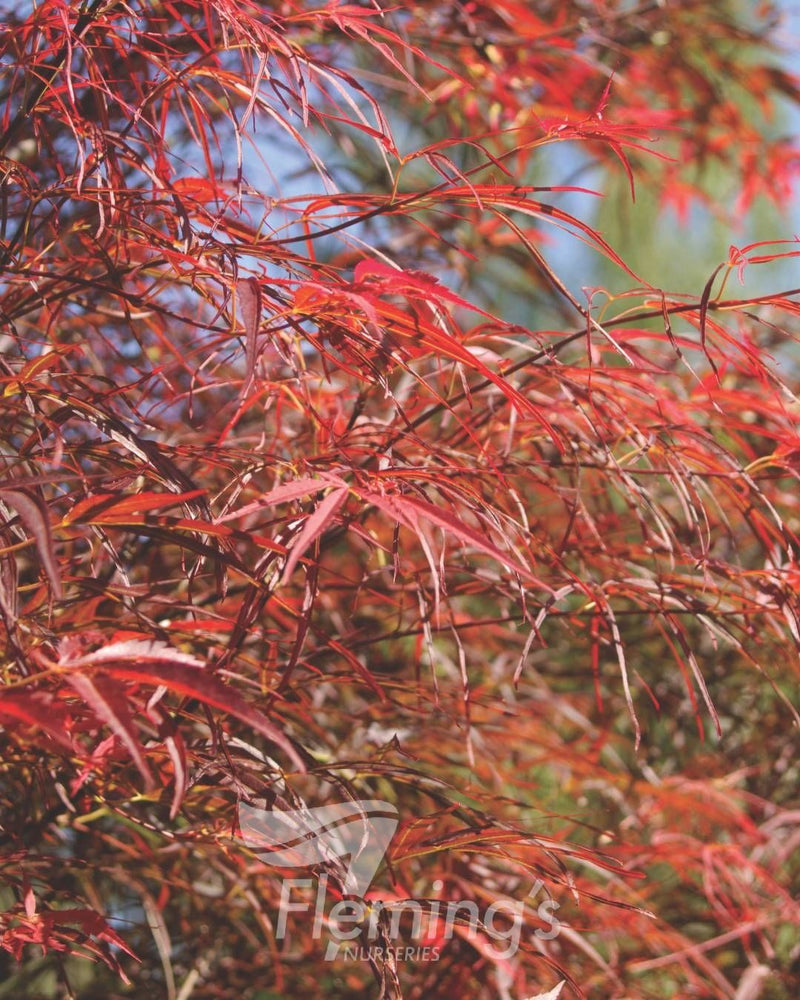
(322, 482)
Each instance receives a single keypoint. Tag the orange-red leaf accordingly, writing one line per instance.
(314, 526)
(36, 709)
(34, 515)
(156, 663)
(108, 701)
(106, 508)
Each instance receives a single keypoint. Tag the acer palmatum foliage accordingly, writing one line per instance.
(291, 512)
